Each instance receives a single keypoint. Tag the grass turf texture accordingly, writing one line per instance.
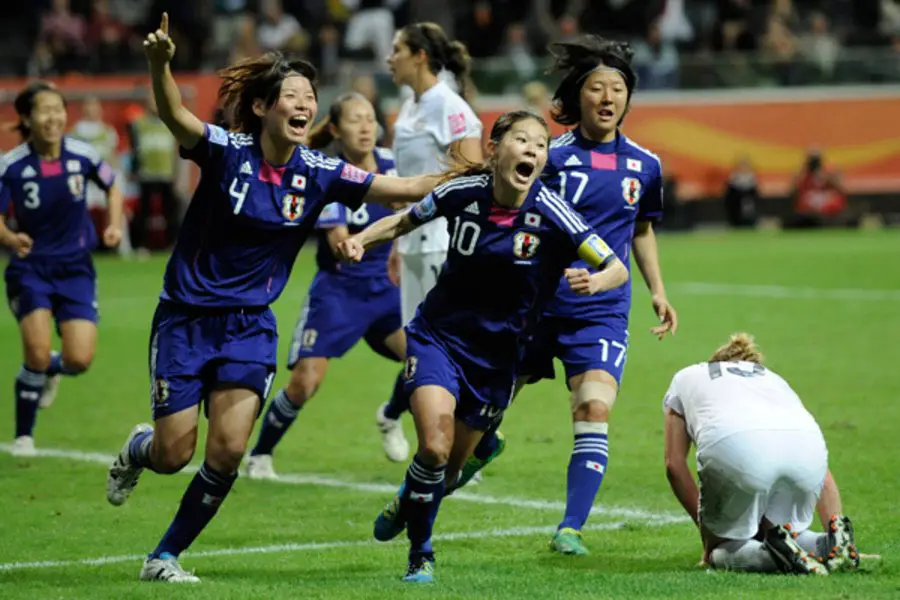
(822, 320)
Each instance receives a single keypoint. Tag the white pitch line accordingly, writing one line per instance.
(787, 292)
(446, 537)
(386, 489)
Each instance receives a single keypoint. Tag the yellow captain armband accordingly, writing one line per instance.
(595, 252)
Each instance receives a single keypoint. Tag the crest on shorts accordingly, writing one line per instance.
(631, 190)
(160, 392)
(308, 338)
(410, 370)
(525, 244)
(292, 207)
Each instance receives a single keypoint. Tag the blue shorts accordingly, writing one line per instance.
(339, 311)
(481, 394)
(581, 346)
(194, 351)
(68, 288)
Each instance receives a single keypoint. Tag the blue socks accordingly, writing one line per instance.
(139, 449)
(399, 402)
(279, 417)
(198, 506)
(488, 443)
(29, 387)
(421, 498)
(586, 469)
(57, 367)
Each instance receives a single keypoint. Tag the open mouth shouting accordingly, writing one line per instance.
(523, 172)
(298, 124)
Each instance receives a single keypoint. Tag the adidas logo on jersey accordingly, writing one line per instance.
(572, 161)
(472, 209)
(28, 172)
(246, 169)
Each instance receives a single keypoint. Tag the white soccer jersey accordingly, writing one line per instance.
(724, 398)
(423, 133)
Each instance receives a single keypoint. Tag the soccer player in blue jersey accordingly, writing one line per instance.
(510, 240)
(51, 274)
(345, 302)
(214, 338)
(616, 186)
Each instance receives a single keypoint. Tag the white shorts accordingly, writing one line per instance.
(418, 274)
(748, 476)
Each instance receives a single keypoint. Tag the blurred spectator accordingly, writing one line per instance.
(819, 199)
(674, 25)
(656, 61)
(779, 47)
(889, 21)
(279, 30)
(732, 32)
(153, 166)
(518, 51)
(233, 31)
(537, 98)
(107, 40)
(741, 195)
(60, 47)
(370, 29)
(820, 46)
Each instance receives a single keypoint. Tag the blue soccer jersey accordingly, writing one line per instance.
(501, 269)
(374, 263)
(248, 219)
(48, 197)
(612, 186)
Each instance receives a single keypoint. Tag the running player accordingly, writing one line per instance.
(762, 465)
(345, 303)
(616, 186)
(214, 338)
(51, 274)
(435, 121)
(510, 239)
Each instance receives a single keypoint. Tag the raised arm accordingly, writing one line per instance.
(387, 189)
(159, 48)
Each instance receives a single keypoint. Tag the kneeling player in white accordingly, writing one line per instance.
(762, 465)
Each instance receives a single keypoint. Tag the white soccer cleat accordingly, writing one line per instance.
(48, 395)
(396, 448)
(166, 569)
(23, 446)
(123, 474)
(260, 468)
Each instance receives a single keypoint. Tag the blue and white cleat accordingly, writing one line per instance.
(123, 474)
(420, 570)
(166, 569)
(390, 523)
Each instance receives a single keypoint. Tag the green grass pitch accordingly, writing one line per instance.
(825, 308)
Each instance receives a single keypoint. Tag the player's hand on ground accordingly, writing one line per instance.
(580, 281)
(112, 236)
(668, 318)
(394, 266)
(158, 46)
(22, 244)
(350, 250)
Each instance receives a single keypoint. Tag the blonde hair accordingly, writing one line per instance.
(740, 346)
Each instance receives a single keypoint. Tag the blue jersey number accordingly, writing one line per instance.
(465, 236)
(32, 200)
(564, 181)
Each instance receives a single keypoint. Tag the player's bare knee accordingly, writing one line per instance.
(172, 458)
(77, 361)
(37, 357)
(592, 401)
(304, 384)
(435, 450)
(224, 453)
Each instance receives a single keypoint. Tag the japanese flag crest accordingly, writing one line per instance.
(631, 190)
(292, 207)
(525, 244)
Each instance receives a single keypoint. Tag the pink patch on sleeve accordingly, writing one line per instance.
(603, 162)
(353, 174)
(504, 217)
(457, 123)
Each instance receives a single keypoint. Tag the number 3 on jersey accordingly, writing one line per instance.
(32, 200)
(465, 236)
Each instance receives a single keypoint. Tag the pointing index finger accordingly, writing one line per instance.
(164, 23)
